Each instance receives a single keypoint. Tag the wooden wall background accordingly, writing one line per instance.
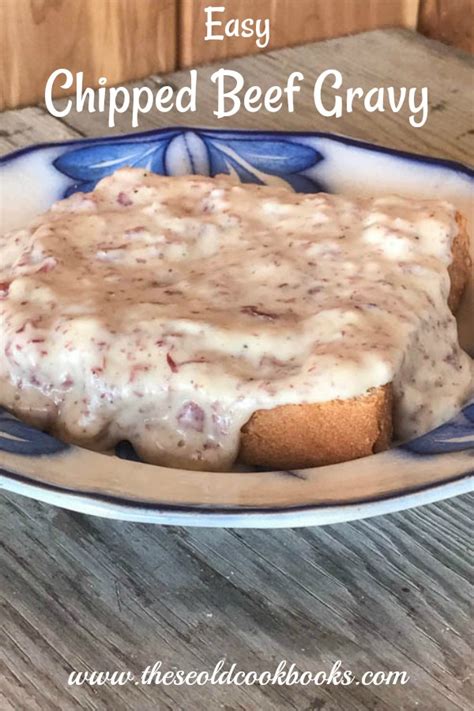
(130, 39)
(451, 21)
(118, 39)
(292, 22)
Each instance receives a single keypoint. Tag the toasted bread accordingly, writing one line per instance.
(308, 435)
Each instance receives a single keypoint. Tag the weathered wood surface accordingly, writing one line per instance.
(391, 593)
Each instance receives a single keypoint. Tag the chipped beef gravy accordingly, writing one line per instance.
(166, 311)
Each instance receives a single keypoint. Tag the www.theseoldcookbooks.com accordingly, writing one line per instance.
(284, 674)
(233, 92)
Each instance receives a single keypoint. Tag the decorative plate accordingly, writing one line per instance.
(436, 466)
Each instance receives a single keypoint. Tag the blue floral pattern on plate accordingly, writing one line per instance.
(19, 438)
(200, 152)
(457, 435)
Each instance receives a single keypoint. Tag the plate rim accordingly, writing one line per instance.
(458, 166)
(296, 517)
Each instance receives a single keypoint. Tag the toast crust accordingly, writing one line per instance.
(309, 435)
(460, 268)
(298, 436)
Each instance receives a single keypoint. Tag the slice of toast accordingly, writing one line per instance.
(298, 436)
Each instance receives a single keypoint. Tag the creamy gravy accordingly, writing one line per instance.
(166, 311)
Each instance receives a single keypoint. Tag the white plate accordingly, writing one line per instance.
(436, 466)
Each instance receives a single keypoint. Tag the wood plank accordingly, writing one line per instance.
(389, 593)
(450, 22)
(292, 22)
(32, 125)
(118, 39)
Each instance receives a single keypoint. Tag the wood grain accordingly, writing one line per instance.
(118, 39)
(83, 593)
(391, 593)
(448, 21)
(292, 22)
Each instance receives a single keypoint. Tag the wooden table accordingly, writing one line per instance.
(391, 593)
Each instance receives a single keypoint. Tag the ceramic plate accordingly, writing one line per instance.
(436, 466)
